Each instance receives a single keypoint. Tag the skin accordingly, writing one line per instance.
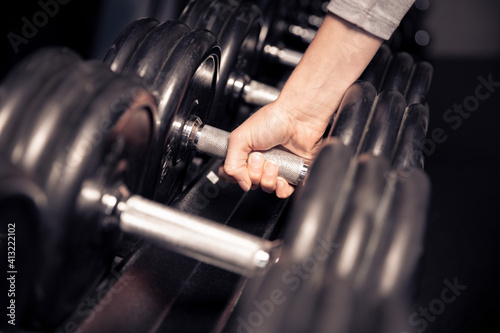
(298, 119)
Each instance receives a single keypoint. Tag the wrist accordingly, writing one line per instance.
(334, 60)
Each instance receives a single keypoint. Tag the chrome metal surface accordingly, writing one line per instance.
(196, 237)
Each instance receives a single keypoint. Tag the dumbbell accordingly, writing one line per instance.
(384, 124)
(362, 245)
(83, 133)
(400, 72)
(367, 122)
(368, 286)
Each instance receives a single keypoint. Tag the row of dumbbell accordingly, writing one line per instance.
(249, 36)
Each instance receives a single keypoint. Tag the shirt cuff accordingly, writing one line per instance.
(379, 18)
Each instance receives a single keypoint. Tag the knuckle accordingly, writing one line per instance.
(231, 169)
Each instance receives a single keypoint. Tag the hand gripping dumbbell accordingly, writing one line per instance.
(83, 134)
(180, 66)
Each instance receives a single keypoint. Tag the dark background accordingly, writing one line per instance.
(464, 220)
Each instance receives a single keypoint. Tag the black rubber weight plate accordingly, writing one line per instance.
(127, 42)
(34, 76)
(184, 85)
(62, 143)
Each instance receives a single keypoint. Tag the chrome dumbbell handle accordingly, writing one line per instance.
(214, 142)
(191, 235)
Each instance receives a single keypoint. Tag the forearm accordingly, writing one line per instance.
(335, 59)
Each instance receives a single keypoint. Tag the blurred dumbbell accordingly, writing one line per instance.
(347, 264)
(84, 133)
(400, 71)
(381, 125)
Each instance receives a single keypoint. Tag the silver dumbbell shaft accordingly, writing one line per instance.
(190, 235)
(214, 142)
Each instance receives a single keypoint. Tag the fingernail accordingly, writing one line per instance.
(280, 183)
(256, 157)
(256, 162)
(271, 168)
(244, 186)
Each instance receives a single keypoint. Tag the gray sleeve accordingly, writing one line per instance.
(378, 17)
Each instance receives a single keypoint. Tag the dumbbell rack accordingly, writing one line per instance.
(150, 289)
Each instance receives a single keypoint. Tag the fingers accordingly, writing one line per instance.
(264, 174)
(255, 168)
(283, 189)
(265, 129)
(270, 182)
(269, 176)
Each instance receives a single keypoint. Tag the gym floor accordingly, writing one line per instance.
(461, 249)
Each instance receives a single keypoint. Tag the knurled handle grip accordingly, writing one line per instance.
(214, 142)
